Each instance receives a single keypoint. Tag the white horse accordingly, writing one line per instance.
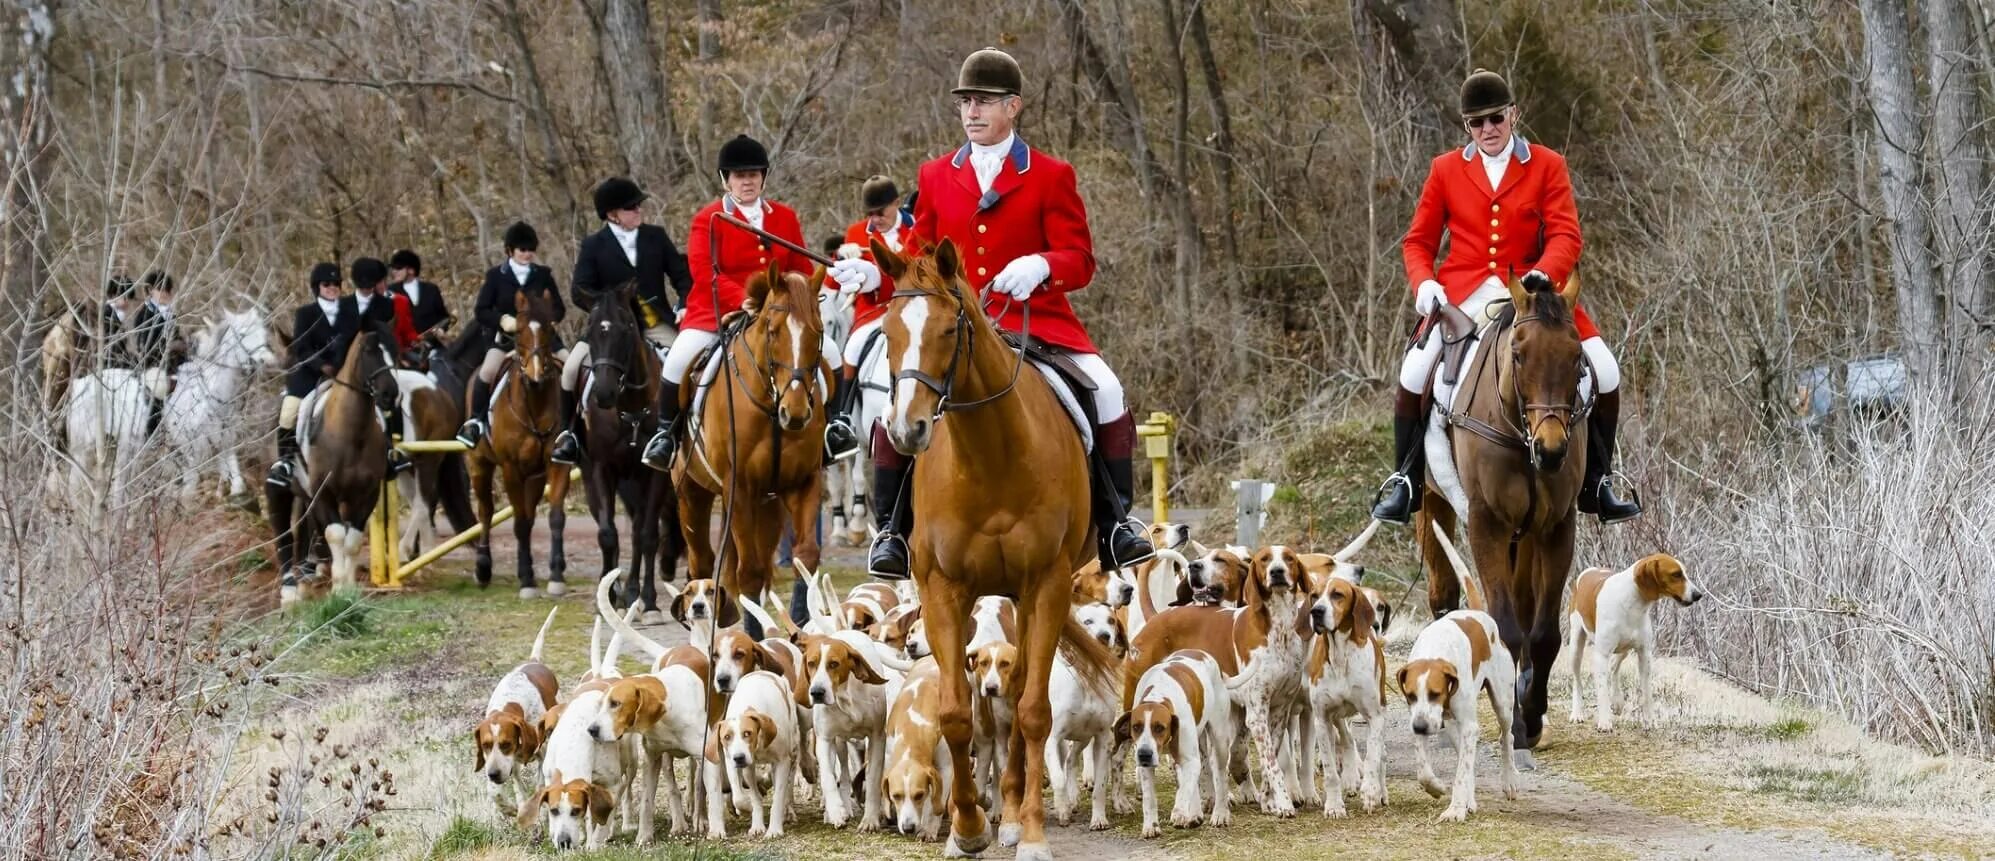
(201, 415)
(846, 491)
(106, 427)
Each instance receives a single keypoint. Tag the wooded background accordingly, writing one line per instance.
(1763, 186)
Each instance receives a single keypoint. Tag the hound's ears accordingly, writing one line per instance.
(891, 263)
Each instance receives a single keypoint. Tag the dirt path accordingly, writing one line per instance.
(1693, 787)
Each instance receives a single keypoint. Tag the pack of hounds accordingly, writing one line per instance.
(1249, 671)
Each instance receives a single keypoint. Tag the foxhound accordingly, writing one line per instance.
(509, 736)
(1454, 658)
(1610, 618)
(918, 766)
(584, 777)
(1346, 671)
(1084, 713)
(666, 710)
(847, 691)
(760, 729)
(1181, 708)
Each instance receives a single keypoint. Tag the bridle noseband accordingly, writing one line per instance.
(770, 366)
(1566, 414)
(960, 353)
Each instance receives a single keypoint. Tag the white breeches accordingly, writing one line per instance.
(287, 414)
(488, 370)
(684, 349)
(856, 341)
(1108, 404)
(578, 354)
(1418, 367)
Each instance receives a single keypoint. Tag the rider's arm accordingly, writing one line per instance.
(699, 255)
(1070, 251)
(583, 288)
(1423, 238)
(676, 271)
(487, 310)
(1560, 251)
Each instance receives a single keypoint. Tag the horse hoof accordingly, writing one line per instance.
(528, 593)
(287, 596)
(1009, 833)
(557, 588)
(965, 847)
(1525, 760)
(652, 617)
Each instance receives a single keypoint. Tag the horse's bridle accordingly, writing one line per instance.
(1566, 414)
(959, 354)
(770, 366)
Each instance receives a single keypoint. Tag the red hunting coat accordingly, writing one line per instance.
(742, 254)
(867, 307)
(1034, 207)
(1528, 222)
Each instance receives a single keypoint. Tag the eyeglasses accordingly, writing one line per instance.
(1495, 119)
(982, 100)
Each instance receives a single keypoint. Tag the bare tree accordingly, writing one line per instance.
(637, 89)
(1894, 104)
(1222, 134)
(1961, 183)
(1421, 42)
(1186, 269)
(26, 29)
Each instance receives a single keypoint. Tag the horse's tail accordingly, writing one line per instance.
(651, 648)
(1471, 582)
(1092, 661)
(540, 639)
(453, 489)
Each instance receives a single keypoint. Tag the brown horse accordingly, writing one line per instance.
(758, 444)
(618, 414)
(526, 414)
(345, 459)
(1520, 407)
(1002, 485)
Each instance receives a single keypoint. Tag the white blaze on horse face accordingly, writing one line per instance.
(914, 316)
(796, 346)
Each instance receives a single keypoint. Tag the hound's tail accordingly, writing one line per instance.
(1472, 594)
(540, 639)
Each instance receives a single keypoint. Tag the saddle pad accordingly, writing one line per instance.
(1068, 400)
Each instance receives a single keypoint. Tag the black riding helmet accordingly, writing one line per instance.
(522, 237)
(368, 273)
(743, 153)
(118, 286)
(324, 273)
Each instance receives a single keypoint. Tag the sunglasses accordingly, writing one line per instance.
(1495, 119)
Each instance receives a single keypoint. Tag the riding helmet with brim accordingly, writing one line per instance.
(743, 153)
(617, 193)
(368, 273)
(522, 237)
(1484, 93)
(324, 273)
(990, 71)
(878, 192)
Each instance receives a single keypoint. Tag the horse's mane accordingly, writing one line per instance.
(1550, 308)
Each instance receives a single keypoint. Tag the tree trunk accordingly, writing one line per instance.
(1894, 102)
(552, 162)
(1222, 138)
(1420, 42)
(1185, 270)
(26, 155)
(637, 90)
(710, 22)
(1104, 65)
(1960, 219)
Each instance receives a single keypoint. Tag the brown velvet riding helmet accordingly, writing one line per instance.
(877, 192)
(1484, 93)
(990, 71)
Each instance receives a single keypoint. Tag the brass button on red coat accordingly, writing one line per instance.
(1494, 208)
(1492, 264)
(983, 228)
(980, 270)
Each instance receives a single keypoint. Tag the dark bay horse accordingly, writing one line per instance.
(345, 459)
(618, 414)
(526, 414)
(1514, 421)
(1001, 486)
(759, 444)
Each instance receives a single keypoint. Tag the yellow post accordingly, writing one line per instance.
(377, 546)
(1156, 435)
(391, 498)
(467, 536)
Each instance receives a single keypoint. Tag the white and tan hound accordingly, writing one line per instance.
(508, 739)
(1610, 618)
(1181, 709)
(760, 728)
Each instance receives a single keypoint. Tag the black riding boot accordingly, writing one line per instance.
(839, 440)
(1113, 481)
(287, 459)
(480, 423)
(658, 452)
(1596, 490)
(1399, 497)
(398, 460)
(893, 511)
(568, 446)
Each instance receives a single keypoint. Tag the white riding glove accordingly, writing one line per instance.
(856, 276)
(1430, 296)
(1022, 276)
(508, 325)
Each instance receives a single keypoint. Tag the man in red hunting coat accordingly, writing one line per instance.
(1016, 214)
(1507, 207)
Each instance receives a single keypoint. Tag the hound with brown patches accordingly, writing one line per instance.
(572, 807)
(1217, 578)
(893, 630)
(1456, 656)
(1181, 708)
(847, 691)
(994, 703)
(602, 768)
(666, 709)
(1084, 712)
(704, 608)
(1610, 618)
(760, 729)
(867, 604)
(918, 766)
(509, 736)
(1346, 670)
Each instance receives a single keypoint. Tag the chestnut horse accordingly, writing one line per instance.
(526, 414)
(345, 447)
(1521, 410)
(619, 412)
(1001, 489)
(757, 441)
